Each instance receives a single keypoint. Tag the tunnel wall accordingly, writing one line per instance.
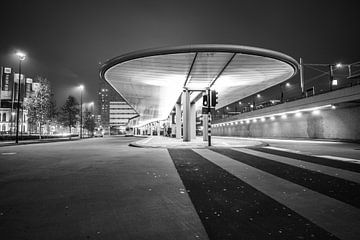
(341, 124)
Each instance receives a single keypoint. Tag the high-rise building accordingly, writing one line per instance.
(112, 109)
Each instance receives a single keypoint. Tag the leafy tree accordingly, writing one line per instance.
(89, 121)
(53, 111)
(69, 113)
(38, 104)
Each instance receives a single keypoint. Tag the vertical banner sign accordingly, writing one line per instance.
(28, 87)
(5, 79)
(35, 86)
(16, 85)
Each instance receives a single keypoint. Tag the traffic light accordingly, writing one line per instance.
(214, 98)
(205, 100)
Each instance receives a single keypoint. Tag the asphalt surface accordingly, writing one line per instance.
(102, 188)
(93, 189)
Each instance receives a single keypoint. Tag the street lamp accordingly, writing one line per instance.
(81, 90)
(21, 57)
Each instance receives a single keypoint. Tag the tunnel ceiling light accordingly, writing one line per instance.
(316, 112)
(298, 114)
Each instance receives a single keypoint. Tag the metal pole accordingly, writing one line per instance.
(81, 113)
(302, 85)
(18, 106)
(209, 118)
(331, 77)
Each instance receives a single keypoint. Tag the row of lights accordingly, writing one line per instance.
(298, 113)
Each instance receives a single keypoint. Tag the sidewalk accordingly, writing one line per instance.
(166, 142)
(36, 141)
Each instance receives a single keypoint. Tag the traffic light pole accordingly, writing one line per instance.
(209, 117)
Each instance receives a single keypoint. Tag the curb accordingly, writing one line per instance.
(139, 145)
(36, 142)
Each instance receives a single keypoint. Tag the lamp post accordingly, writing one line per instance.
(81, 90)
(21, 57)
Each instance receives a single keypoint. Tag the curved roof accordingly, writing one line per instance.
(151, 81)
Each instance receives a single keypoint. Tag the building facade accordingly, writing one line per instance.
(9, 86)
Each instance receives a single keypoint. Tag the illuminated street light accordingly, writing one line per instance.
(338, 65)
(287, 84)
(21, 57)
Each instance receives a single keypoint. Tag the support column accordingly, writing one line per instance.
(186, 116)
(158, 128)
(151, 129)
(178, 120)
(192, 121)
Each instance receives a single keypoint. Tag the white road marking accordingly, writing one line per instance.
(339, 158)
(283, 149)
(8, 153)
(334, 216)
(147, 140)
(331, 171)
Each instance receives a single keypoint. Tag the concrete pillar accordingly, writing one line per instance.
(192, 121)
(178, 120)
(158, 128)
(205, 127)
(186, 116)
(151, 129)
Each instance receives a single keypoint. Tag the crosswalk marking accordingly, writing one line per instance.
(334, 216)
(339, 158)
(335, 172)
(283, 149)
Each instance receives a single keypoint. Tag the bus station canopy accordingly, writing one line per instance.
(151, 81)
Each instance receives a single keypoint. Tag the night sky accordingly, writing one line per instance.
(66, 40)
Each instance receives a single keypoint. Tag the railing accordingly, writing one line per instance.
(315, 84)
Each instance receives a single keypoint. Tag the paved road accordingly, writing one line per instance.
(104, 189)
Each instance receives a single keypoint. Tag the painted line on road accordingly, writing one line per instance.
(283, 149)
(331, 171)
(339, 158)
(334, 216)
(8, 153)
(147, 140)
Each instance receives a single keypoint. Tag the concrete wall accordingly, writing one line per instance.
(342, 123)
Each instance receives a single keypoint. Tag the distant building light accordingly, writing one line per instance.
(240, 103)
(248, 121)
(287, 84)
(283, 116)
(254, 120)
(333, 107)
(252, 105)
(298, 114)
(272, 118)
(263, 119)
(258, 95)
(334, 82)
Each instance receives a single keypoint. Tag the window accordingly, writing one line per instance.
(4, 117)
